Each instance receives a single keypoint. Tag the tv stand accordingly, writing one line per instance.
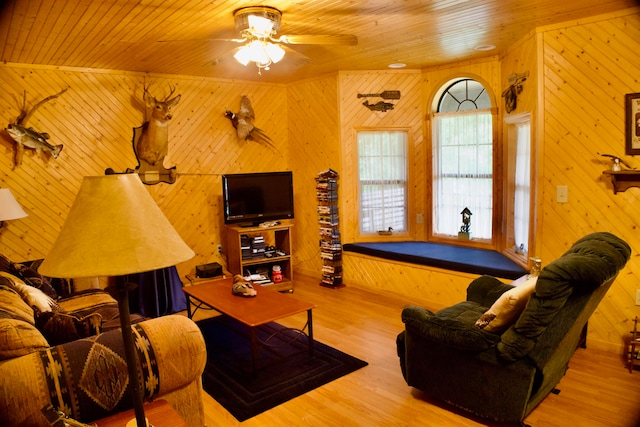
(246, 224)
(277, 235)
(261, 224)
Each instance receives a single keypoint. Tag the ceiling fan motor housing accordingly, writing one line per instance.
(241, 17)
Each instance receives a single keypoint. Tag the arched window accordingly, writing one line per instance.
(463, 160)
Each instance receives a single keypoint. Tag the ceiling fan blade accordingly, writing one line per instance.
(294, 55)
(236, 40)
(327, 39)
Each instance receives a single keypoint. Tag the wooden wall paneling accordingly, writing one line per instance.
(206, 146)
(47, 185)
(588, 83)
(314, 143)
(619, 36)
(94, 120)
(440, 288)
(588, 69)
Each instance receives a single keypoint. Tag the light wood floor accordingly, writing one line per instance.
(597, 390)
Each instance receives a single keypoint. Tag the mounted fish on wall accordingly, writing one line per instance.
(151, 140)
(382, 106)
(27, 136)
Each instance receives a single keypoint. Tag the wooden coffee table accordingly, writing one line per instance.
(267, 306)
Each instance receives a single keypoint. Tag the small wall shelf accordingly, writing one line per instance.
(622, 180)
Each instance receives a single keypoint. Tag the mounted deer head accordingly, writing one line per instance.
(159, 110)
(153, 142)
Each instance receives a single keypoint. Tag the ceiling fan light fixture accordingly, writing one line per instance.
(275, 52)
(245, 19)
(258, 53)
(261, 52)
(260, 26)
(243, 55)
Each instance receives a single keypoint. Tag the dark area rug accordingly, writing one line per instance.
(284, 368)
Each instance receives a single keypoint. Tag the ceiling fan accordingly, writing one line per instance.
(258, 27)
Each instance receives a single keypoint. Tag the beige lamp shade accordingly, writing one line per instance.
(9, 207)
(114, 228)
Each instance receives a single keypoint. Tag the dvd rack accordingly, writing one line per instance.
(328, 219)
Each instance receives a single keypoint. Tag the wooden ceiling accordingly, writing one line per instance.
(132, 35)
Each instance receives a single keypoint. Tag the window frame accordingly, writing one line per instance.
(508, 243)
(410, 193)
(496, 233)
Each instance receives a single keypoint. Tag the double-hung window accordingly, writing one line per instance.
(382, 175)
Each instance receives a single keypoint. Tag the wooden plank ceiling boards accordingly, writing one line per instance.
(134, 36)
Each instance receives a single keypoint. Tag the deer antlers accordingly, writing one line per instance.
(26, 115)
(146, 94)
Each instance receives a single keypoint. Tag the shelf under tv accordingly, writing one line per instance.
(279, 236)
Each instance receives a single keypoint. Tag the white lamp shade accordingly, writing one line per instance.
(243, 55)
(260, 52)
(114, 228)
(9, 207)
(260, 26)
(275, 52)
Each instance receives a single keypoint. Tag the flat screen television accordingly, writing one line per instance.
(252, 198)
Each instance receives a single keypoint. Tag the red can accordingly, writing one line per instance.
(276, 274)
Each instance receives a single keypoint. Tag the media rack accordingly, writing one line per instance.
(242, 258)
(330, 246)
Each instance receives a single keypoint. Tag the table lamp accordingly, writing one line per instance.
(9, 207)
(115, 228)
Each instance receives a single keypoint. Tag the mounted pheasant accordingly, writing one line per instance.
(243, 120)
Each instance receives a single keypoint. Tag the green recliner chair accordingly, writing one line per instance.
(502, 375)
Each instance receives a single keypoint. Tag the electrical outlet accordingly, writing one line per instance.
(219, 249)
(637, 296)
